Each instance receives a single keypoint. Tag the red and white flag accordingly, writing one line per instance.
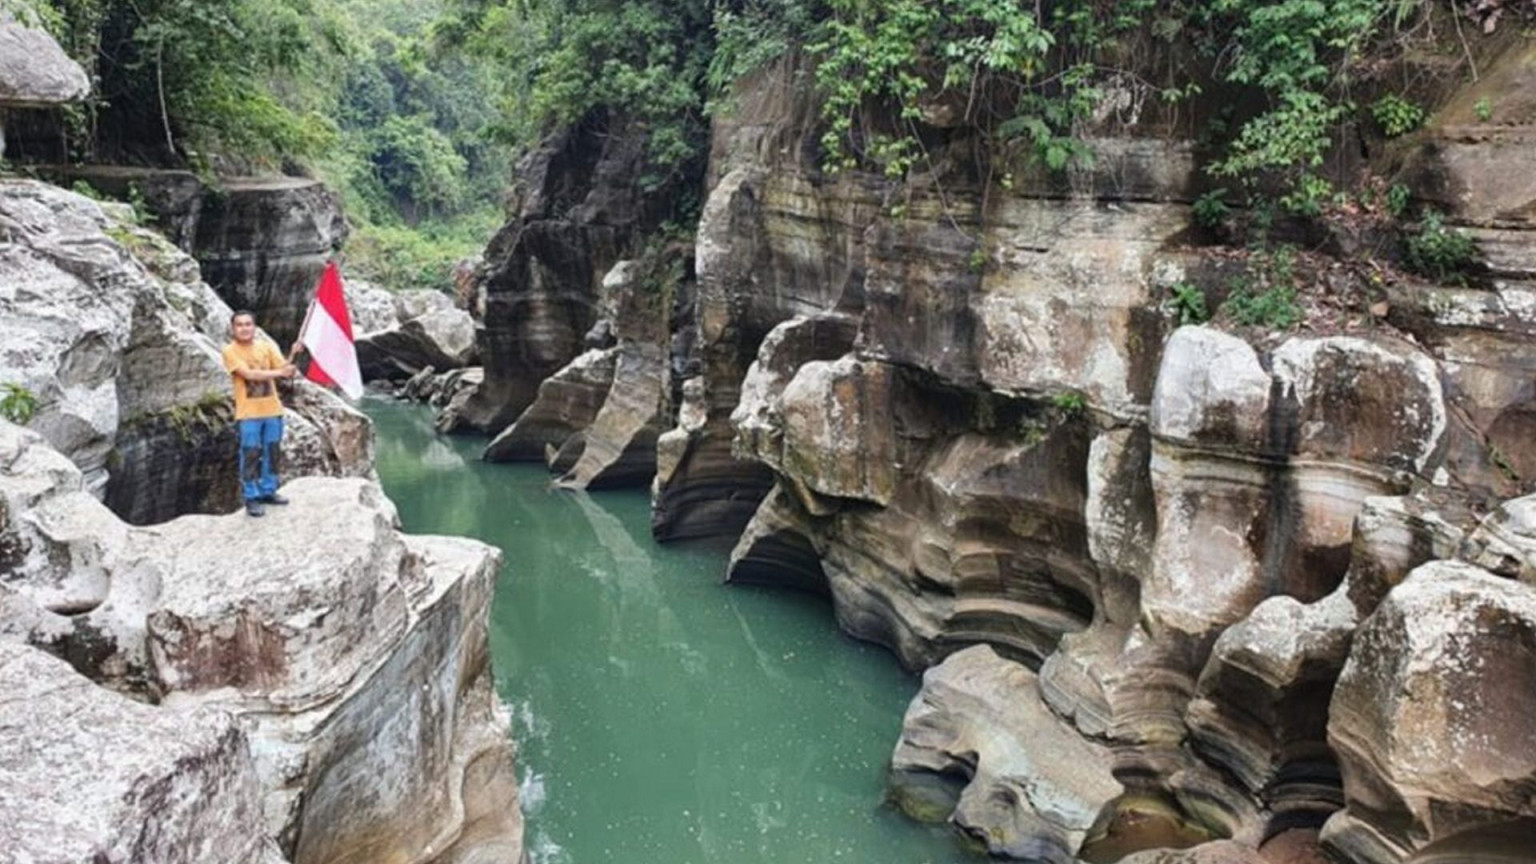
(327, 336)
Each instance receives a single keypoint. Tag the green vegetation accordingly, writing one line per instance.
(1396, 115)
(1441, 253)
(1070, 403)
(1188, 303)
(359, 92)
(17, 404)
(1265, 296)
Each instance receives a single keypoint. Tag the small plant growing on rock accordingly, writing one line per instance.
(1070, 403)
(1266, 297)
(1484, 109)
(17, 404)
(1188, 303)
(1439, 252)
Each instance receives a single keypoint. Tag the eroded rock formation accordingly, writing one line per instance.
(354, 657)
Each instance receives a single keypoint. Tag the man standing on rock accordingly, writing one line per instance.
(254, 366)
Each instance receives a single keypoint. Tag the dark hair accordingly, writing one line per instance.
(246, 312)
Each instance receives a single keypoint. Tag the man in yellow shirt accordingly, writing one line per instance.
(254, 367)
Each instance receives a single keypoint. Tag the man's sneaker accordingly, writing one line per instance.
(274, 498)
(254, 508)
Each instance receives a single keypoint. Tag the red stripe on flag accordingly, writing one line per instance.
(330, 297)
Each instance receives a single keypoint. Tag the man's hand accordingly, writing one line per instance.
(289, 370)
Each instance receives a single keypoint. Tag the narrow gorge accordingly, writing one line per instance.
(1203, 502)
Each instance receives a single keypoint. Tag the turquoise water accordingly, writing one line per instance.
(661, 717)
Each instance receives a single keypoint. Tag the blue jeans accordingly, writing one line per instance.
(260, 443)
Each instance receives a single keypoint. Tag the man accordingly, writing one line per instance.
(255, 365)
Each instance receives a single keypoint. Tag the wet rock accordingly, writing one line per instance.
(568, 402)
(777, 548)
(1428, 746)
(94, 776)
(979, 748)
(1219, 852)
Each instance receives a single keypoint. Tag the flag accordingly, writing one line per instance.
(327, 336)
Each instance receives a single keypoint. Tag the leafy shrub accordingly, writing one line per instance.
(1396, 115)
(1211, 210)
(1274, 308)
(1439, 252)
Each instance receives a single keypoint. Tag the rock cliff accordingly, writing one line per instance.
(970, 415)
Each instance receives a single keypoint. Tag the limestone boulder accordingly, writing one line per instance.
(758, 417)
(1261, 704)
(372, 308)
(94, 776)
(354, 657)
(980, 749)
(34, 70)
(436, 336)
(1505, 542)
(568, 402)
(838, 441)
(1431, 716)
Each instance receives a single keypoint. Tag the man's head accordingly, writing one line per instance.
(242, 325)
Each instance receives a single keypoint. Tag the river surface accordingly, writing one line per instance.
(662, 717)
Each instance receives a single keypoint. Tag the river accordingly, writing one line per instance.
(662, 717)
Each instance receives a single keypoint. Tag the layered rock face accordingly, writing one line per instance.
(538, 290)
(113, 332)
(262, 243)
(980, 425)
(353, 657)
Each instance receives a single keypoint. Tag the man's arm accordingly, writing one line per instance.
(287, 371)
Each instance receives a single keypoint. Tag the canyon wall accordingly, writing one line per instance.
(970, 416)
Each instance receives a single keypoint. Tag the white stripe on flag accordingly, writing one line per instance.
(332, 351)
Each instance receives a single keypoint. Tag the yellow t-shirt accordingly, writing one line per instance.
(254, 399)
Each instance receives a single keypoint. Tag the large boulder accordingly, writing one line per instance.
(354, 656)
(979, 748)
(91, 775)
(568, 402)
(1431, 718)
(428, 331)
(34, 70)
